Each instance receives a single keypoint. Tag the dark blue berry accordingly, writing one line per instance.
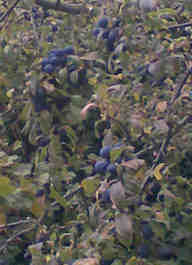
(57, 52)
(161, 197)
(45, 61)
(111, 168)
(49, 39)
(103, 22)
(49, 68)
(101, 166)
(69, 50)
(113, 35)
(62, 61)
(43, 141)
(110, 46)
(53, 60)
(27, 16)
(143, 251)
(39, 193)
(165, 252)
(72, 68)
(105, 34)
(34, 10)
(116, 23)
(105, 196)
(147, 231)
(96, 31)
(61, 52)
(105, 151)
(46, 13)
(54, 28)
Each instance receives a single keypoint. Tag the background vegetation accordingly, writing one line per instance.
(95, 132)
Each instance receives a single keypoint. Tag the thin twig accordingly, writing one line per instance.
(180, 26)
(9, 11)
(178, 92)
(16, 223)
(14, 237)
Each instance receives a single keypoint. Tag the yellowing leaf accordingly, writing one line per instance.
(2, 219)
(134, 163)
(148, 130)
(171, 148)
(37, 208)
(93, 81)
(161, 106)
(136, 96)
(157, 172)
(9, 93)
(90, 185)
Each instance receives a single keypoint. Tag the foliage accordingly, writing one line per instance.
(96, 133)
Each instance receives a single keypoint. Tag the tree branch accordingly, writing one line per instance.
(178, 92)
(14, 237)
(180, 26)
(9, 11)
(74, 9)
(16, 223)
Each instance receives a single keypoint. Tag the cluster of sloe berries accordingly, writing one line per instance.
(111, 34)
(103, 166)
(57, 58)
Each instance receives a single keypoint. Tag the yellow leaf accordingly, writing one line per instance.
(93, 81)
(157, 172)
(2, 218)
(148, 130)
(136, 96)
(171, 148)
(2, 221)
(9, 93)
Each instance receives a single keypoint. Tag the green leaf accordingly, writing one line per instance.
(5, 187)
(60, 199)
(45, 122)
(90, 185)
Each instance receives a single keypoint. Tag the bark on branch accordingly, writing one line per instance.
(74, 9)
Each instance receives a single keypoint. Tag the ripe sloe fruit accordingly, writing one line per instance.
(111, 168)
(54, 28)
(53, 60)
(45, 61)
(49, 39)
(49, 68)
(113, 35)
(101, 166)
(105, 151)
(105, 34)
(105, 196)
(62, 52)
(69, 50)
(103, 22)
